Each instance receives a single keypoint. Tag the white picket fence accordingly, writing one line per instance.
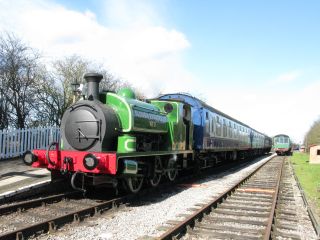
(15, 142)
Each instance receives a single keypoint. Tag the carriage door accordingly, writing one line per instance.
(251, 138)
(187, 122)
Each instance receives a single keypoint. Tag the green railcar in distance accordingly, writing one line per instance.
(282, 144)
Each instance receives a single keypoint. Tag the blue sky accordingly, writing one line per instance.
(249, 40)
(240, 40)
(257, 61)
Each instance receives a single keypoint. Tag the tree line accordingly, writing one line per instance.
(312, 137)
(36, 94)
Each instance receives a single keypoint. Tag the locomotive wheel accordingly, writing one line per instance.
(157, 173)
(172, 172)
(133, 184)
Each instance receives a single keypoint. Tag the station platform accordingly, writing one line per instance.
(16, 177)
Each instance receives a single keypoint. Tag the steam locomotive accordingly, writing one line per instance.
(111, 138)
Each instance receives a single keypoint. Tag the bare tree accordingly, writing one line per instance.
(49, 101)
(30, 95)
(4, 108)
(313, 135)
(67, 71)
(55, 93)
(18, 74)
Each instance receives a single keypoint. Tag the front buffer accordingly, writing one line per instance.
(64, 162)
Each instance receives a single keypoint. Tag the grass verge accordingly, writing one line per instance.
(309, 178)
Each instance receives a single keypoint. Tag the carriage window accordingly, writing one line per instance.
(237, 131)
(224, 128)
(218, 126)
(207, 116)
(230, 130)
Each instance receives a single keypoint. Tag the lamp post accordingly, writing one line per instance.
(75, 85)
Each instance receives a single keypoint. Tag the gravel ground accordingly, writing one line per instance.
(145, 217)
(16, 220)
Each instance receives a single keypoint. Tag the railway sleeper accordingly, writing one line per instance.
(289, 211)
(251, 198)
(242, 213)
(284, 217)
(251, 203)
(193, 209)
(163, 228)
(287, 192)
(284, 235)
(220, 235)
(289, 196)
(259, 185)
(250, 231)
(286, 198)
(173, 222)
(240, 192)
(236, 217)
(288, 203)
(285, 226)
(286, 188)
(231, 220)
(286, 212)
(243, 207)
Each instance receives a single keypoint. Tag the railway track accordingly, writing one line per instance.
(245, 211)
(286, 219)
(30, 218)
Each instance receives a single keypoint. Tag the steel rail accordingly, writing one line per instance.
(198, 215)
(268, 230)
(35, 202)
(51, 224)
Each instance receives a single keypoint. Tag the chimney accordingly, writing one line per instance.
(93, 80)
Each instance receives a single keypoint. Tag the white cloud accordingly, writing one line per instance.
(124, 13)
(287, 77)
(132, 46)
(271, 110)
